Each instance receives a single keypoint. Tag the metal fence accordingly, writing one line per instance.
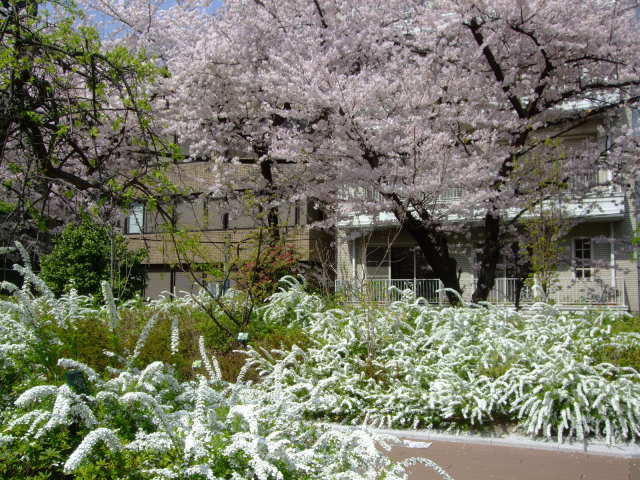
(382, 290)
(579, 293)
(504, 292)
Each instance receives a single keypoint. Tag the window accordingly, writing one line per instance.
(377, 262)
(377, 256)
(582, 258)
(397, 263)
(135, 219)
(296, 213)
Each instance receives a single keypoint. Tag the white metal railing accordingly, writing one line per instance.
(585, 180)
(372, 195)
(451, 194)
(579, 293)
(588, 293)
(379, 289)
(504, 292)
(352, 194)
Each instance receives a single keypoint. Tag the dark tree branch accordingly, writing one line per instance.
(475, 27)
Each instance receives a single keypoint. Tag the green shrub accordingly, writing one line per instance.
(82, 254)
(87, 342)
(37, 460)
(627, 355)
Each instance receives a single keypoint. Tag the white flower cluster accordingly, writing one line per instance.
(144, 336)
(34, 305)
(259, 433)
(291, 301)
(110, 304)
(413, 365)
(68, 408)
(15, 339)
(82, 451)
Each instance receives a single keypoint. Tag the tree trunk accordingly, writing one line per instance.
(435, 248)
(488, 258)
(270, 193)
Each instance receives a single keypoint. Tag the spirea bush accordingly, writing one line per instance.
(161, 428)
(69, 420)
(413, 365)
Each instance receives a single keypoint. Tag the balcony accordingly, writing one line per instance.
(600, 206)
(577, 295)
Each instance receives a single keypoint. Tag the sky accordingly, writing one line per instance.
(107, 27)
(169, 3)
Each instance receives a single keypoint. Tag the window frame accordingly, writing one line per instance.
(582, 266)
(136, 212)
(373, 259)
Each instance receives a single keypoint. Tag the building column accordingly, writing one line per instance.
(353, 259)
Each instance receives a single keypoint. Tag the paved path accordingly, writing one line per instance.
(470, 457)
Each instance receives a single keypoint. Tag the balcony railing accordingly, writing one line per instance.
(577, 293)
(451, 194)
(380, 290)
(504, 292)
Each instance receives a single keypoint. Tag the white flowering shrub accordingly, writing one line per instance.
(406, 365)
(30, 324)
(45, 322)
(72, 421)
(291, 303)
(35, 305)
(413, 365)
(161, 428)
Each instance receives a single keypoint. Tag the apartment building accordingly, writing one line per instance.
(597, 266)
(214, 231)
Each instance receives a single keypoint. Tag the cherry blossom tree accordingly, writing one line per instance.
(75, 128)
(234, 120)
(410, 99)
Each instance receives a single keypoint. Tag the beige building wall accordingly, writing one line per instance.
(627, 254)
(217, 247)
(158, 281)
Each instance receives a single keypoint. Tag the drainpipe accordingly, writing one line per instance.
(612, 259)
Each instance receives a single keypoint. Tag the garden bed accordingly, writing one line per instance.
(553, 374)
(568, 378)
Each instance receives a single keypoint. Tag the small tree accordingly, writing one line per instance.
(262, 271)
(543, 241)
(87, 254)
(76, 128)
(547, 222)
